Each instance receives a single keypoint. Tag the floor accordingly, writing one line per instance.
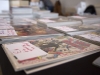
(0, 71)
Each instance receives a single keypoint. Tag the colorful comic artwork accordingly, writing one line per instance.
(28, 30)
(95, 36)
(59, 48)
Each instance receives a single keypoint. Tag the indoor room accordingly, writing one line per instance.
(49, 37)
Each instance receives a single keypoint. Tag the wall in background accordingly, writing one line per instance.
(94, 2)
(4, 5)
(69, 5)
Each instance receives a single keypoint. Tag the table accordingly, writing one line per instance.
(81, 66)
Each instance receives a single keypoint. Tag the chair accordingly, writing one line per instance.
(91, 10)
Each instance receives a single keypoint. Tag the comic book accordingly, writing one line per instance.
(58, 22)
(6, 27)
(87, 19)
(84, 27)
(72, 28)
(43, 15)
(58, 49)
(26, 32)
(29, 30)
(92, 37)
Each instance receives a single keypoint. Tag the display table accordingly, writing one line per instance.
(81, 66)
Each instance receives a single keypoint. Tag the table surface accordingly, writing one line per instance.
(82, 66)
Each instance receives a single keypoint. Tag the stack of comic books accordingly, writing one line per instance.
(23, 29)
(76, 28)
(36, 44)
(25, 32)
(25, 12)
(31, 20)
(4, 21)
(43, 15)
(22, 21)
(42, 11)
(59, 50)
(4, 15)
(89, 36)
(23, 16)
(58, 22)
(87, 19)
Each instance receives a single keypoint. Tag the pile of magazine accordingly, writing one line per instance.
(60, 21)
(22, 31)
(87, 19)
(50, 15)
(32, 45)
(22, 12)
(76, 28)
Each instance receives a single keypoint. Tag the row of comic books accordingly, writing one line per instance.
(27, 27)
(38, 53)
(49, 42)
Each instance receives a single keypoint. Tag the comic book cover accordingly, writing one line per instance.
(72, 28)
(61, 19)
(83, 27)
(87, 19)
(57, 22)
(64, 29)
(6, 27)
(93, 26)
(58, 49)
(92, 37)
(7, 33)
(16, 22)
(28, 30)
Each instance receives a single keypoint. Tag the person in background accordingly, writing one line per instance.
(57, 7)
(48, 5)
(41, 4)
(90, 10)
(29, 1)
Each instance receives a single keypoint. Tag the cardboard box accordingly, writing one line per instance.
(34, 0)
(19, 3)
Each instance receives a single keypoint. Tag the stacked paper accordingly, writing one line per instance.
(41, 12)
(44, 15)
(23, 16)
(22, 12)
(5, 15)
(87, 19)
